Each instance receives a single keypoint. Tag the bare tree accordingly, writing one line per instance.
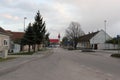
(73, 32)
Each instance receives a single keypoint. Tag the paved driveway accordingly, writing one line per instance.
(67, 65)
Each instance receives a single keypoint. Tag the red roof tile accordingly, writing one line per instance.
(16, 35)
(13, 35)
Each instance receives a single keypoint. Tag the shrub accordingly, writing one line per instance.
(70, 48)
(87, 50)
(115, 55)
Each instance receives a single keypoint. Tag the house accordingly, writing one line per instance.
(15, 41)
(4, 40)
(94, 40)
(16, 45)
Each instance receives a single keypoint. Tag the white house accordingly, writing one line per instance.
(15, 37)
(96, 40)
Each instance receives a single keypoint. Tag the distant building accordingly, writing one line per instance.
(54, 42)
(95, 40)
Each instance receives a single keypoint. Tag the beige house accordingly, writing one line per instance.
(4, 40)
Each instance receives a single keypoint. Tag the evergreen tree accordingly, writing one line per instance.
(29, 37)
(36, 33)
(39, 29)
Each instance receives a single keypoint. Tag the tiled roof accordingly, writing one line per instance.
(15, 35)
(2, 31)
(87, 37)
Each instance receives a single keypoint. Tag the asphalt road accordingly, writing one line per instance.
(67, 65)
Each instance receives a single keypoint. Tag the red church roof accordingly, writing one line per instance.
(54, 40)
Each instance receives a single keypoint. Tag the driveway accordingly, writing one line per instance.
(67, 65)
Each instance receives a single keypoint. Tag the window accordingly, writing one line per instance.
(5, 42)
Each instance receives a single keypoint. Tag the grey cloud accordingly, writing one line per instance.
(58, 13)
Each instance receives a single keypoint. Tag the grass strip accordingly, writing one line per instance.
(22, 53)
(5, 59)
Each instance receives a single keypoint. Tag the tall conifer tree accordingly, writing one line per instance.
(39, 29)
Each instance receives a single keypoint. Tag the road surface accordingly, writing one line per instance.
(62, 64)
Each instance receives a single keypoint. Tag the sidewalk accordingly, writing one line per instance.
(12, 65)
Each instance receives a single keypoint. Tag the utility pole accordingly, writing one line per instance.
(105, 31)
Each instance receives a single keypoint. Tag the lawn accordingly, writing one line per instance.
(27, 53)
(22, 53)
(5, 59)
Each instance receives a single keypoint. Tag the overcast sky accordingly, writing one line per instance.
(59, 13)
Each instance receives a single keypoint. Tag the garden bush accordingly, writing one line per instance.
(115, 55)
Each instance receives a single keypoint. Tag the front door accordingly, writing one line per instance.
(95, 46)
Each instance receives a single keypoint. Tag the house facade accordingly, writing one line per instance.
(4, 40)
(15, 37)
(94, 40)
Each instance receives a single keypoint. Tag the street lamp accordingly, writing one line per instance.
(24, 22)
